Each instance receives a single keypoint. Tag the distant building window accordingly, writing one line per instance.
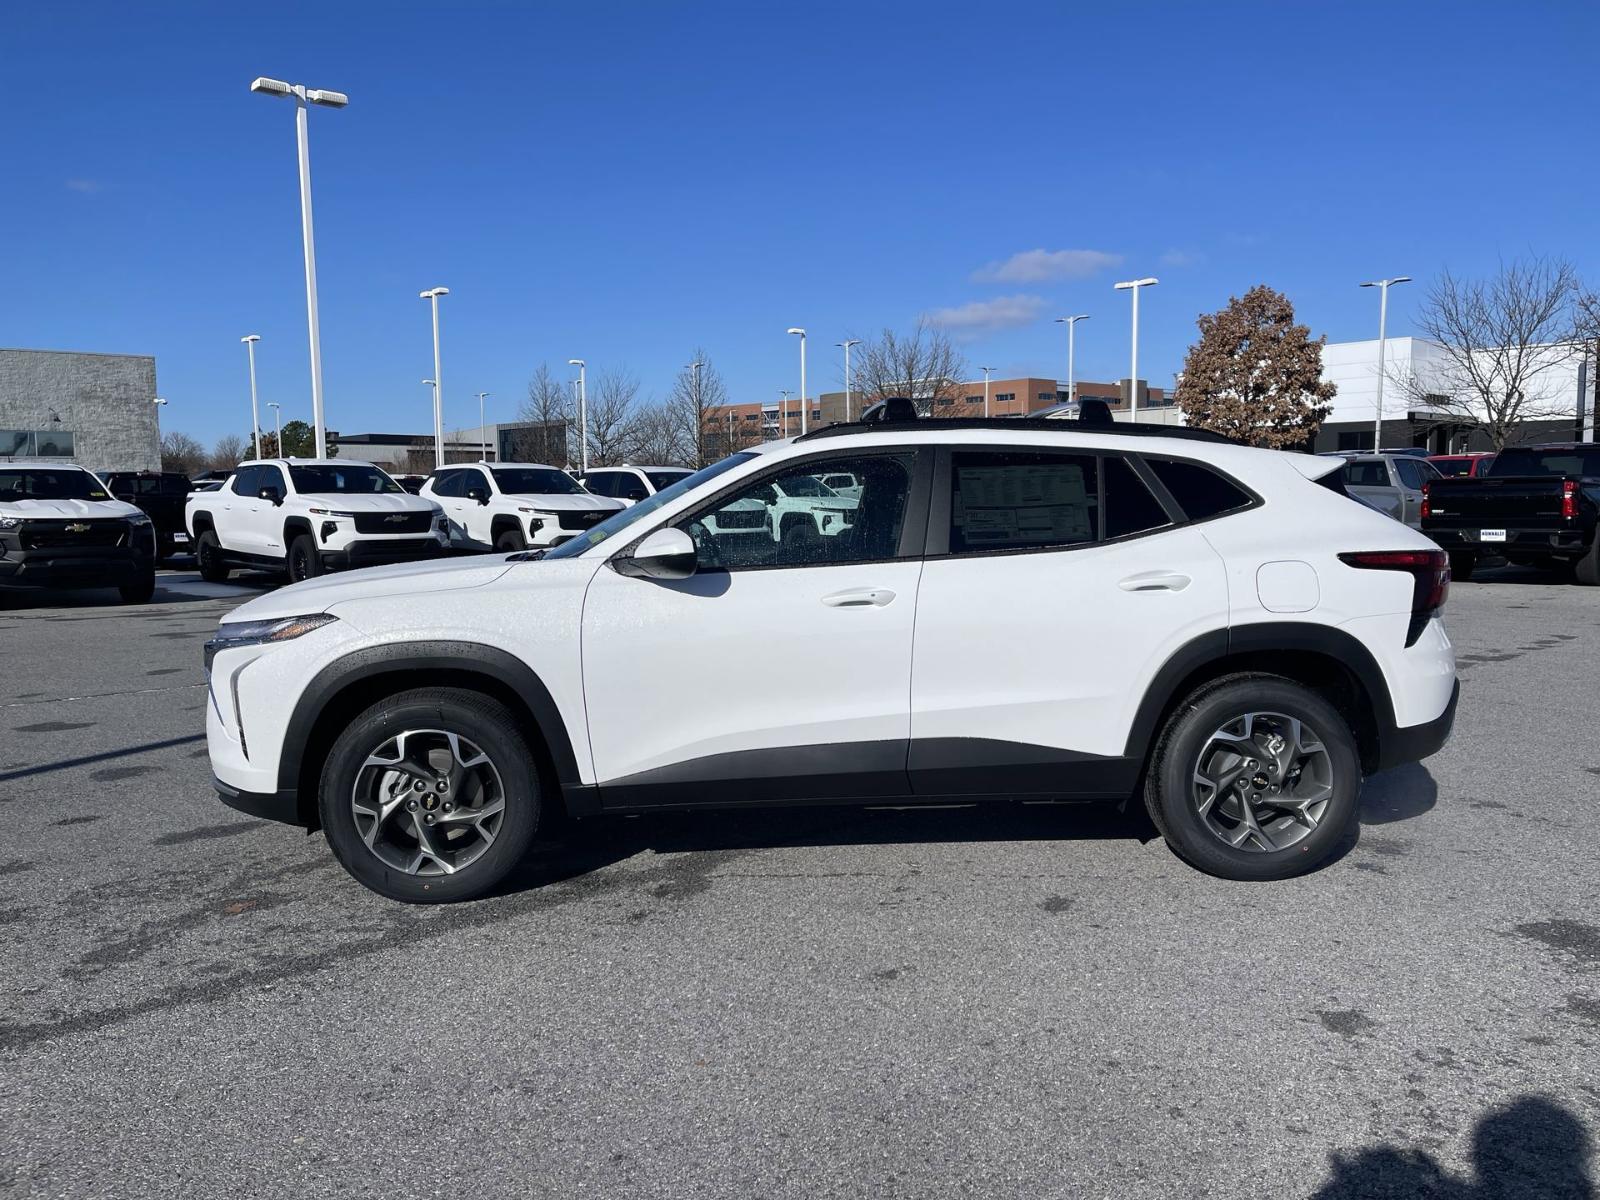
(752, 417)
(1006, 397)
(945, 400)
(1048, 397)
(972, 400)
(30, 443)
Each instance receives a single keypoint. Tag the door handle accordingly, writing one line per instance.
(859, 598)
(1155, 581)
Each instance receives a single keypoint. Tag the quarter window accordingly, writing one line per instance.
(792, 519)
(1018, 500)
(1130, 508)
(1201, 492)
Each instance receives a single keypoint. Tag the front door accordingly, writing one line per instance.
(781, 669)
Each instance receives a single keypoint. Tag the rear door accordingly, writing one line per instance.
(1057, 584)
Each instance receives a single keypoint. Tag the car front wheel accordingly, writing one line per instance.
(304, 563)
(1255, 777)
(430, 796)
(510, 541)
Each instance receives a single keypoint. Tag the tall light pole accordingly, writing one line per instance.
(699, 415)
(250, 341)
(483, 432)
(846, 344)
(583, 413)
(805, 404)
(277, 425)
(303, 96)
(987, 371)
(1383, 286)
(783, 412)
(1134, 285)
(432, 297)
(1072, 352)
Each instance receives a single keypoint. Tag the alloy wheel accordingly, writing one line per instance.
(1263, 782)
(428, 802)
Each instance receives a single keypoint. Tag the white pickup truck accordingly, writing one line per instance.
(514, 506)
(305, 516)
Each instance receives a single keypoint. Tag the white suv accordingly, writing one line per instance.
(1243, 644)
(631, 484)
(514, 506)
(305, 516)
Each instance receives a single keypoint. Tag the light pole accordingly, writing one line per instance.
(277, 425)
(1072, 351)
(783, 412)
(303, 96)
(805, 405)
(483, 431)
(846, 344)
(1134, 285)
(986, 373)
(699, 414)
(250, 341)
(1383, 286)
(583, 413)
(432, 297)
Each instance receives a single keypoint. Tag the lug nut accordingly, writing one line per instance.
(444, 785)
(448, 807)
(411, 805)
(419, 784)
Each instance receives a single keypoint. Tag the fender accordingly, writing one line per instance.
(407, 657)
(1265, 637)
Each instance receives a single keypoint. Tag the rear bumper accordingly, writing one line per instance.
(1413, 743)
(1564, 543)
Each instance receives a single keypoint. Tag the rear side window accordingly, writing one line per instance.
(1411, 473)
(1201, 492)
(1015, 500)
(1366, 474)
(1130, 507)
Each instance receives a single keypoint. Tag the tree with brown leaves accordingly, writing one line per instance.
(1255, 375)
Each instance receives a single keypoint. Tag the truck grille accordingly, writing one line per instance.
(59, 535)
(406, 522)
(581, 520)
(755, 518)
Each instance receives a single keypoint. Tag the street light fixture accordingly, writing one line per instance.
(805, 404)
(583, 412)
(250, 341)
(1134, 285)
(1072, 349)
(483, 431)
(986, 372)
(303, 96)
(157, 400)
(846, 344)
(1383, 286)
(432, 296)
(783, 411)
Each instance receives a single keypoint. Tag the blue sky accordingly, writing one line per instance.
(622, 182)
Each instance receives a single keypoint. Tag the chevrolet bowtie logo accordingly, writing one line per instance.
(396, 519)
(77, 527)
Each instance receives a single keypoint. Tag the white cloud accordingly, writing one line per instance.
(982, 316)
(1043, 266)
(86, 186)
(1182, 258)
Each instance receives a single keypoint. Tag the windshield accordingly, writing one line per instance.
(665, 479)
(536, 481)
(617, 522)
(1554, 460)
(354, 479)
(49, 483)
(806, 485)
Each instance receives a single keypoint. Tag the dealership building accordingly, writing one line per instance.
(96, 410)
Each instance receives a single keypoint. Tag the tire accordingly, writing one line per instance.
(303, 561)
(409, 726)
(164, 547)
(510, 541)
(1193, 740)
(1586, 570)
(141, 589)
(208, 557)
(1462, 564)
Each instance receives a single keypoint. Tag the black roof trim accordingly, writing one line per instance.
(1034, 424)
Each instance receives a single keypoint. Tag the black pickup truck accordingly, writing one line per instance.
(161, 495)
(1536, 506)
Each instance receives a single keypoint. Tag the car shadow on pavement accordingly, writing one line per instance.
(1398, 795)
(1530, 1149)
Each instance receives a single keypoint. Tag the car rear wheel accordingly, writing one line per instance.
(208, 557)
(1587, 569)
(430, 796)
(1255, 777)
(304, 562)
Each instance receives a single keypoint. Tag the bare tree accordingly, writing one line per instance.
(661, 436)
(548, 407)
(180, 452)
(924, 365)
(612, 419)
(227, 453)
(1502, 342)
(694, 404)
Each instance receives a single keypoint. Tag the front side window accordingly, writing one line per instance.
(536, 481)
(790, 519)
(662, 479)
(246, 481)
(48, 483)
(345, 479)
(1022, 500)
(601, 483)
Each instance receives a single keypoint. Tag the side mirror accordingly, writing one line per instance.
(270, 493)
(665, 554)
(481, 495)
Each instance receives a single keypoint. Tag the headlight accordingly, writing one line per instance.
(333, 512)
(139, 518)
(260, 633)
(11, 522)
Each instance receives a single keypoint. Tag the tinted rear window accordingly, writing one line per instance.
(1201, 492)
(1579, 460)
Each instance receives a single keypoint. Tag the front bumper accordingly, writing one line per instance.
(378, 552)
(281, 806)
(66, 567)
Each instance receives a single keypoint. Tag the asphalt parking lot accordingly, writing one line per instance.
(1020, 1001)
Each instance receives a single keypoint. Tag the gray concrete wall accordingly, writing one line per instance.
(103, 400)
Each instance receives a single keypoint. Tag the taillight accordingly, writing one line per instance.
(1430, 574)
(1569, 500)
(1427, 499)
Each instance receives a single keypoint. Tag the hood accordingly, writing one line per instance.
(56, 509)
(577, 502)
(390, 502)
(401, 579)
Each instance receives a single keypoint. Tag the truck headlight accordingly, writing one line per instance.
(233, 635)
(11, 522)
(139, 520)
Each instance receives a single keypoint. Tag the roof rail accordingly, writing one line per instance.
(1037, 424)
